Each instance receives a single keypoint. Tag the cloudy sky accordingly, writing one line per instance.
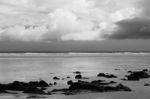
(75, 25)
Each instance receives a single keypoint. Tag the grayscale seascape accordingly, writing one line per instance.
(74, 49)
(44, 66)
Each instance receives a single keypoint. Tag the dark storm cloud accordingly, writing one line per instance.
(137, 28)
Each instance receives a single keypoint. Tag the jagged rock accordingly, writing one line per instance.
(15, 86)
(36, 87)
(137, 75)
(145, 70)
(82, 85)
(40, 83)
(78, 76)
(69, 82)
(106, 75)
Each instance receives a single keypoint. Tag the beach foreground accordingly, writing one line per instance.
(93, 77)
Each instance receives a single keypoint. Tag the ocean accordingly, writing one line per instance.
(35, 66)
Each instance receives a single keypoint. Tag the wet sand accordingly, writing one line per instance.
(46, 68)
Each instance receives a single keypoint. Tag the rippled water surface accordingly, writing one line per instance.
(25, 67)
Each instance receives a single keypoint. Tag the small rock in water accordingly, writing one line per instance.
(56, 78)
(77, 72)
(78, 77)
(55, 83)
(117, 69)
(146, 84)
(67, 77)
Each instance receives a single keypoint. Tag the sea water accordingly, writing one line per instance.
(35, 66)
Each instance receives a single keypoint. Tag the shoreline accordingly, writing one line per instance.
(77, 86)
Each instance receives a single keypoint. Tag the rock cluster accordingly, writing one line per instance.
(106, 75)
(137, 75)
(36, 87)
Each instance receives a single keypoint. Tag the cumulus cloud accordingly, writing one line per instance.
(48, 20)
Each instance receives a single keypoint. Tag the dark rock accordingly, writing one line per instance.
(3, 91)
(50, 84)
(112, 82)
(146, 84)
(121, 87)
(145, 70)
(40, 83)
(78, 76)
(36, 87)
(56, 78)
(117, 69)
(15, 86)
(59, 90)
(77, 72)
(130, 71)
(97, 81)
(124, 79)
(55, 83)
(82, 85)
(102, 82)
(35, 97)
(67, 77)
(85, 78)
(69, 82)
(34, 90)
(106, 75)
(133, 77)
(137, 75)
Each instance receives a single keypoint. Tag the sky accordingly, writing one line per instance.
(74, 25)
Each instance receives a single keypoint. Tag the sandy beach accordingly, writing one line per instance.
(57, 70)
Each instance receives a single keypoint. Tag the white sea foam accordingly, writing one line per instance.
(73, 54)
